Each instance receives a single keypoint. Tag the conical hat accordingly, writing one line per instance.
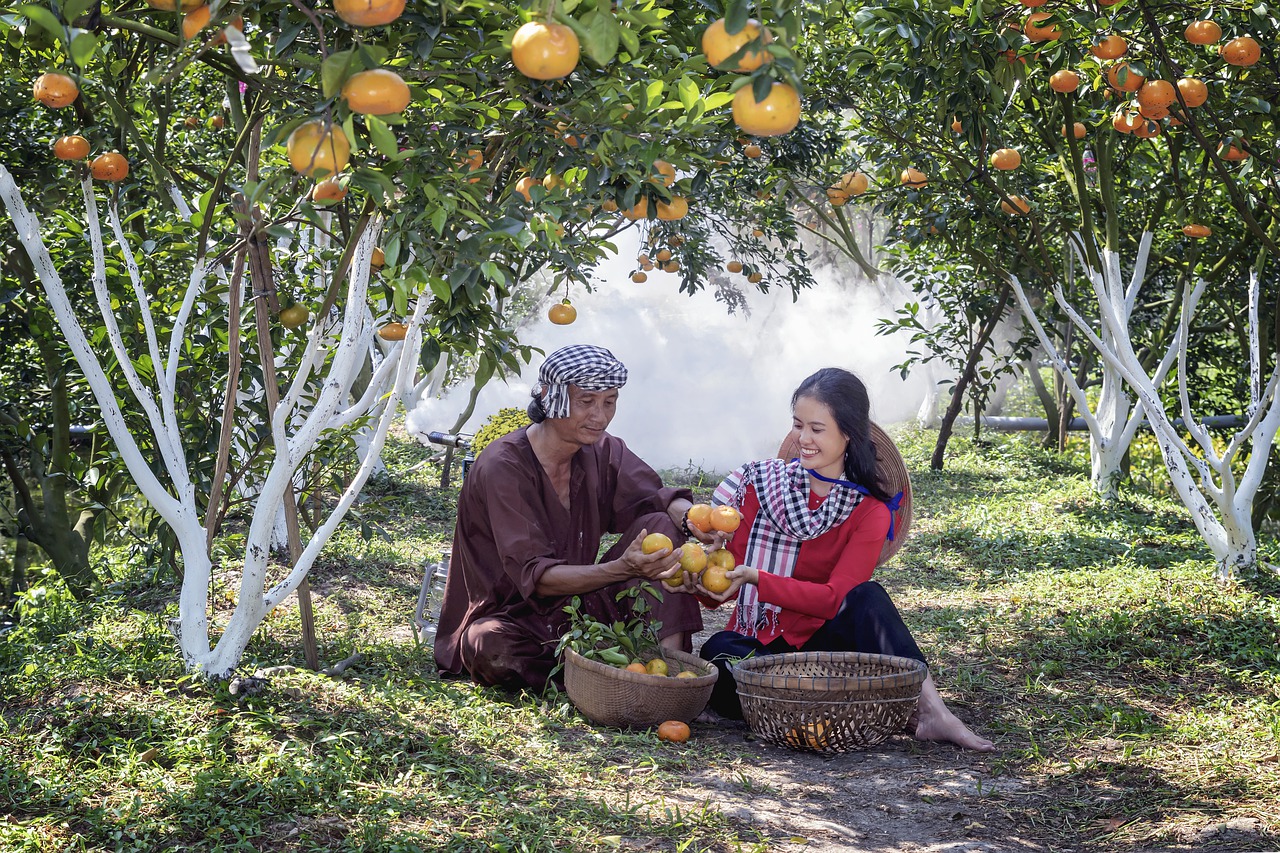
(893, 476)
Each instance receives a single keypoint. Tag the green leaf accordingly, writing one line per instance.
(601, 42)
(688, 92)
(761, 87)
(334, 70)
(45, 19)
(83, 47)
(630, 41)
(735, 16)
(439, 217)
(383, 139)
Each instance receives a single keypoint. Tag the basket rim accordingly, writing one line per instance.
(572, 658)
(911, 671)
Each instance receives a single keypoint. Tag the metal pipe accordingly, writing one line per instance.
(1003, 424)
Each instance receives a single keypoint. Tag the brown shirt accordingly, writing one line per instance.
(512, 527)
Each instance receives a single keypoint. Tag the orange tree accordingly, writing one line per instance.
(1093, 225)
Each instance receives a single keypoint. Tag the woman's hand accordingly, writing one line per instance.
(737, 577)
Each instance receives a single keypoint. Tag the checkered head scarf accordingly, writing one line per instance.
(589, 367)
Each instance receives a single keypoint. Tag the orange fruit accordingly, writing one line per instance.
(812, 735)
(1132, 80)
(1147, 128)
(377, 258)
(677, 208)
(1156, 94)
(294, 316)
(377, 92)
(718, 46)
(318, 149)
(914, 178)
(1034, 4)
(1203, 32)
(663, 255)
(639, 277)
(666, 173)
(725, 519)
(474, 159)
(1194, 92)
(1154, 113)
(671, 266)
(714, 580)
(524, 185)
(545, 50)
(700, 514)
(1197, 231)
(734, 266)
(1242, 51)
(562, 313)
(330, 189)
(693, 558)
(686, 673)
(195, 21)
(1126, 122)
(1016, 206)
(111, 166)
(1078, 129)
(1064, 81)
(640, 211)
(674, 731)
(55, 90)
(71, 148)
(721, 557)
(777, 114)
(609, 205)
(1006, 159)
(368, 13)
(657, 666)
(752, 151)
(1232, 153)
(956, 126)
(1110, 47)
(755, 277)
(654, 543)
(393, 331)
(635, 666)
(1035, 32)
(849, 184)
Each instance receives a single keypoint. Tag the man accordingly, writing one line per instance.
(531, 515)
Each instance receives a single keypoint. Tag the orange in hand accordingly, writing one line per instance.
(700, 517)
(725, 519)
(714, 580)
(655, 542)
(722, 558)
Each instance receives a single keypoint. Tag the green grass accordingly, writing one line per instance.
(1133, 695)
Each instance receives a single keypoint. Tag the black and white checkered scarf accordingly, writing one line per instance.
(589, 367)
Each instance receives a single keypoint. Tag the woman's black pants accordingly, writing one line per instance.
(868, 622)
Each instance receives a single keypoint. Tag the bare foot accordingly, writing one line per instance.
(934, 721)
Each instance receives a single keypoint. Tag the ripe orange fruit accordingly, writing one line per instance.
(671, 266)
(1132, 81)
(677, 208)
(635, 666)
(1156, 94)
(673, 731)
(294, 316)
(956, 126)
(1126, 122)
(1035, 32)
(666, 173)
(1006, 159)
(714, 580)
(317, 149)
(657, 666)
(55, 90)
(609, 205)
(1197, 231)
(639, 277)
(733, 266)
(850, 184)
(330, 189)
(368, 13)
(777, 114)
(545, 50)
(71, 148)
(725, 519)
(1064, 81)
(693, 558)
(914, 178)
(655, 542)
(195, 21)
(686, 673)
(752, 151)
(1194, 92)
(1203, 32)
(1242, 51)
(639, 211)
(700, 514)
(393, 331)
(721, 557)
(1147, 128)
(1110, 47)
(663, 255)
(525, 185)
(812, 735)
(1078, 129)
(111, 166)
(1034, 4)
(474, 159)
(377, 92)
(1016, 206)
(755, 277)
(718, 46)
(562, 313)
(1232, 153)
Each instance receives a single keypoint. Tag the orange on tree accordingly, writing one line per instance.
(639, 211)
(1006, 159)
(1033, 4)
(609, 205)
(1233, 153)
(700, 514)
(71, 148)
(666, 173)
(1126, 122)
(330, 189)
(655, 542)
(294, 316)
(732, 266)
(318, 149)
(198, 18)
(713, 579)
(1110, 47)
(725, 519)
(1016, 206)
(1123, 78)
(755, 277)
(1147, 129)
(1194, 91)
(914, 178)
(956, 126)
(1153, 113)
(55, 90)
(677, 208)
(545, 50)
(718, 46)
(639, 277)
(378, 258)
(752, 151)
(1078, 130)
(674, 731)
(473, 160)
(111, 166)
(525, 186)
(368, 13)
(552, 181)
(1156, 94)
(1203, 32)
(378, 92)
(671, 266)
(1035, 32)
(393, 331)
(1064, 81)
(777, 114)
(1196, 230)
(849, 185)
(1241, 51)
(562, 313)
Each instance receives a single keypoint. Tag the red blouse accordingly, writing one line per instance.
(828, 567)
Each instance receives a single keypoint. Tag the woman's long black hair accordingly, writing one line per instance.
(846, 397)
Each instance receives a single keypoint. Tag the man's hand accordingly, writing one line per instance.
(658, 566)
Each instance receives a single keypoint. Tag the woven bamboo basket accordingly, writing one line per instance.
(828, 702)
(615, 697)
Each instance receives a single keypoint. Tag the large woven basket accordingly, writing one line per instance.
(615, 697)
(828, 702)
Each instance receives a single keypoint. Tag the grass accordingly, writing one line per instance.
(1137, 699)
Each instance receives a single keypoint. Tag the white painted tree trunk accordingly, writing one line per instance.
(296, 428)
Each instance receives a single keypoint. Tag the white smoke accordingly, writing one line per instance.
(707, 388)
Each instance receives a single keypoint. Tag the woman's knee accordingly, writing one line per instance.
(867, 597)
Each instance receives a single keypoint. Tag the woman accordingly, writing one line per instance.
(811, 534)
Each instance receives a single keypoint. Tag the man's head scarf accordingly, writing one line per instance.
(589, 367)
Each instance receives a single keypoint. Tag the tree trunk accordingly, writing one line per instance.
(1053, 435)
(18, 573)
